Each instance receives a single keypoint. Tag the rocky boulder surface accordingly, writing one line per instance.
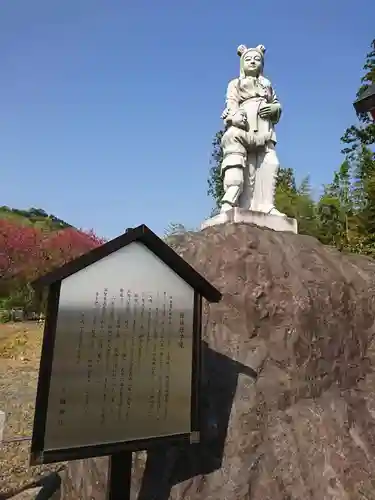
(289, 382)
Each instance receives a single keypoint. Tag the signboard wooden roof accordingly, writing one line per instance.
(120, 366)
(141, 234)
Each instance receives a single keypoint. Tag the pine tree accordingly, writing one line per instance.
(305, 209)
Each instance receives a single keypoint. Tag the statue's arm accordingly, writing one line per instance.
(276, 106)
(232, 115)
(232, 100)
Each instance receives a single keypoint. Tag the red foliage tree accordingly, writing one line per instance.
(20, 251)
(64, 245)
(27, 252)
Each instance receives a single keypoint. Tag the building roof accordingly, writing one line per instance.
(368, 92)
(366, 101)
(141, 234)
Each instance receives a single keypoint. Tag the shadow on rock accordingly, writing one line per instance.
(166, 467)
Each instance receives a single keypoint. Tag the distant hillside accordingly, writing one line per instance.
(32, 243)
(33, 217)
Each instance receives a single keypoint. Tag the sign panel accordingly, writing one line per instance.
(123, 353)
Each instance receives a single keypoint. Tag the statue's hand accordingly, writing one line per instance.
(268, 110)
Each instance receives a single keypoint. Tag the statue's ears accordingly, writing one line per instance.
(261, 49)
(242, 48)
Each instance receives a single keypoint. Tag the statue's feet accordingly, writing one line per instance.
(274, 211)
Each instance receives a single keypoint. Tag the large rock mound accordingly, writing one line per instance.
(289, 401)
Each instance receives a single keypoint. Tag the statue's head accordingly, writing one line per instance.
(252, 60)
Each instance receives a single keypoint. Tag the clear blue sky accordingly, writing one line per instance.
(108, 107)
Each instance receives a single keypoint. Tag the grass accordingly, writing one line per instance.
(13, 347)
(20, 341)
(20, 347)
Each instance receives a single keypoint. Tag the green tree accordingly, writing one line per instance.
(296, 201)
(360, 211)
(215, 181)
(286, 180)
(365, 200)
(340, 187)
(305, 209)
(332, 218)
(362, 134)
(286, 191)
(335, 209)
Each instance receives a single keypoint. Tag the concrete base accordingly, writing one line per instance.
(239, 215)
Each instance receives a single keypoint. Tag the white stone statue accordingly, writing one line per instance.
(250, 163)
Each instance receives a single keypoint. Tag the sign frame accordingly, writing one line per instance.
(53, 280)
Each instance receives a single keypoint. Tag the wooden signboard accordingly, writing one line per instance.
(120, 367)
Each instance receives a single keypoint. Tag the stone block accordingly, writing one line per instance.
(239, 215)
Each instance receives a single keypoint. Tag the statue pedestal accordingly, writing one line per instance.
(239, 215)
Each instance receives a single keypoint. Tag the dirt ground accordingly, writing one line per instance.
(20, 347)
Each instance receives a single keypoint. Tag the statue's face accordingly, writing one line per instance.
(252, 63)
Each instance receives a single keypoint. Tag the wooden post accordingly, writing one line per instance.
(119, 476)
